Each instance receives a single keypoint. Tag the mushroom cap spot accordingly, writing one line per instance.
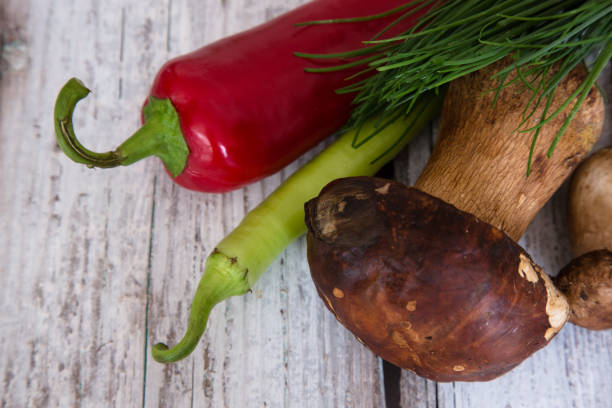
(458, 368)
(384, 189)
(399, 339)
(338, 293)
(405, 324)
(331, 307)
(557, 307)
(411, 306)
(526, 269)
(496, 232)
(329, 229)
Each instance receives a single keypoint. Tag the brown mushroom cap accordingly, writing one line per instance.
(587, 283)
(426, 286)
(590, 204)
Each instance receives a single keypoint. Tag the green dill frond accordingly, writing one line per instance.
(457, 37)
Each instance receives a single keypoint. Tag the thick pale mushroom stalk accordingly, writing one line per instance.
(479, 160)
(430, 278)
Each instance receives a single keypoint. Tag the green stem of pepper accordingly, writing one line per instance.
(243, 255)
(160, 135)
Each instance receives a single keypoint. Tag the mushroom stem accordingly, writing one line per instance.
(478, 162)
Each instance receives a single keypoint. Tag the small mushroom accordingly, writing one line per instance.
(432, 278)
(587, 283)
(587, 279)
(590, 204)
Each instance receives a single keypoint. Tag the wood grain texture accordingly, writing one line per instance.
(97, 265)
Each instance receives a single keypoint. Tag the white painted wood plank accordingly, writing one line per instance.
(77, 239)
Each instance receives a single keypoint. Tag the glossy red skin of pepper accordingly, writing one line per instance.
(247, 108)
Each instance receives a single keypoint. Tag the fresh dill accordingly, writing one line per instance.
(546, 39)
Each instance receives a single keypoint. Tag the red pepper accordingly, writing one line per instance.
(242, 108)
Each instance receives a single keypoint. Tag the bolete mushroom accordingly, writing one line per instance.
(587, 279)
(587, 283)
(590, 204)
(431, 278)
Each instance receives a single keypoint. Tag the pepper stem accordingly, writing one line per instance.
(160, 135)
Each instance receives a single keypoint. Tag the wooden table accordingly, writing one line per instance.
(97, 265)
